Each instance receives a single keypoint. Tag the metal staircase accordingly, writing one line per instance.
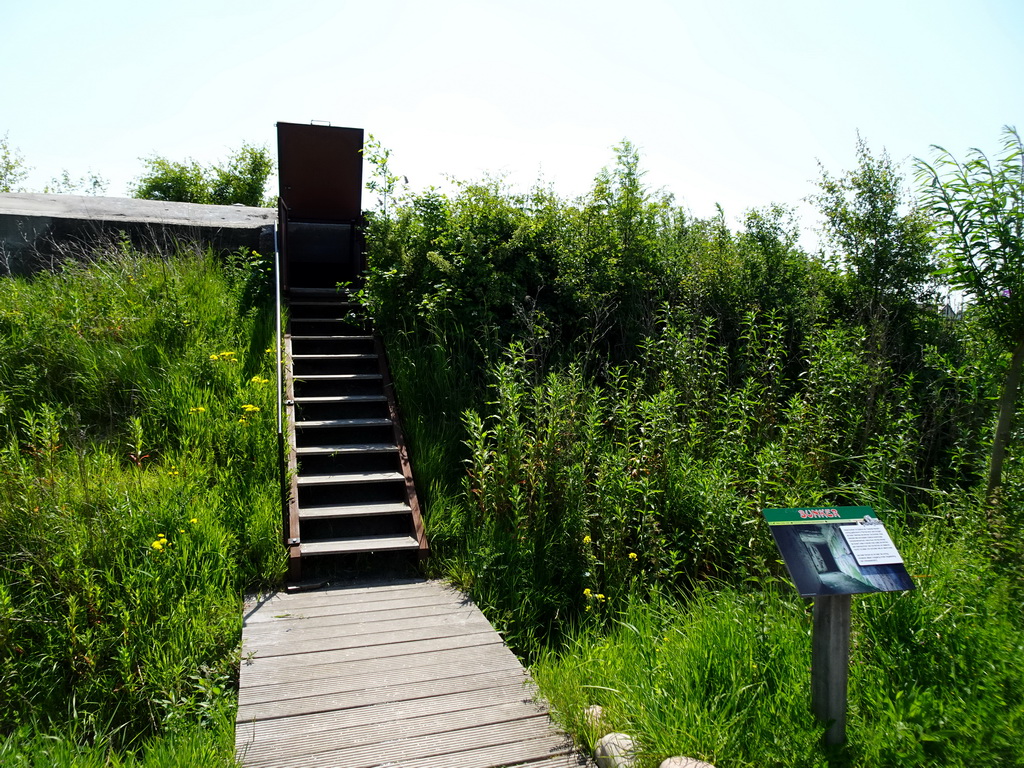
(350, 484)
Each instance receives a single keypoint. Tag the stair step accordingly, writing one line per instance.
(301, 291)
(330, 337)
(339, 302)
(350, 478)
(353, 510)
(362, 544)
(352, 356)
(323, 423)
(342, 399)
(320, 320)
(317, 450)
(339, 377)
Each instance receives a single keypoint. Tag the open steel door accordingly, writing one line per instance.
(320, 168)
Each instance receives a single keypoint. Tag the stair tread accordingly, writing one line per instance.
(337, 377)
(360, 544)
(354, 510)
(349, 477)
(330, 337)
(343, 423)
(321, 320)
(348, 356)
(311, 291)
(314, 450)
(342, 399)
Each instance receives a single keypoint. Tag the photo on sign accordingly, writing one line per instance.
(841, 558)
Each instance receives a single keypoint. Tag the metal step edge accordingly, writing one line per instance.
(351, 478)
(330, 337)
(322, 450)
(341, 399)
(363, 544)
(338, 377)
(353, 510)
(311, 291)
(351, 356)
(324, 423)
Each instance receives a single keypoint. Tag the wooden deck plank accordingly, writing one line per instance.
(297, 621)
(387, 672)
(398, 673)
(501, 683)
(347, 661)
(267, 639)
(293, 726)
(338, 735)
(279, 611)
(506, 741)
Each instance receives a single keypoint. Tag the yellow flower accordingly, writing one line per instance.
(257, 379)
(197, 409)
(586, 539)
(586, 592)
(632, 555)
(194, 520)
(215, 357)
(181, 530)
(157, 546)
(248, 408)
(599, 596)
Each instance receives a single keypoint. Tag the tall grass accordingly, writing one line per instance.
(935, 675)
(140, 496)
(633, 386)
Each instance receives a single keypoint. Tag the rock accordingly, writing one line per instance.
(614, 750)
(684, 762)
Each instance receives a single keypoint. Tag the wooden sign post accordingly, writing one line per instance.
(832, 553)
(830, 663)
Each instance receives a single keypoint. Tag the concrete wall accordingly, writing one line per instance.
(38, 231)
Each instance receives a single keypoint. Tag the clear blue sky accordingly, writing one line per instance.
(729, 102)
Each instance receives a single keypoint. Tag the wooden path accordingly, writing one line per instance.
(400, 674)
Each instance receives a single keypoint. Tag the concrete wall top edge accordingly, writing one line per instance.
(113, 209)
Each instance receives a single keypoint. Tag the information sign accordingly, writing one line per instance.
(837, 551)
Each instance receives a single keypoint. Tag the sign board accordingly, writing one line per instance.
(837, 551)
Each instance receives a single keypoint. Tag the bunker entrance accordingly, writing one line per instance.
(320, 205)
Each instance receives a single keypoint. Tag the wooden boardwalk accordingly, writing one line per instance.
(399, 674)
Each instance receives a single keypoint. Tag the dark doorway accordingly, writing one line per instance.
(320, 207)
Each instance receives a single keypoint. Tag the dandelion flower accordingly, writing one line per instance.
(215, 357)
(194, 520)
(586, 592)
(257, 379)
(197, 409)
(157, 546)
(632, 555)
(586, 539)
(249, 408)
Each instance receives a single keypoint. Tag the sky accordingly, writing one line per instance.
(738, 103)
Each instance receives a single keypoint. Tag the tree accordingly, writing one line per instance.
(12, 167)
(883, 240)
(243, 179)
(979, 207)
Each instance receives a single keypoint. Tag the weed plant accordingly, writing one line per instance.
(627, 387)
(140, 497)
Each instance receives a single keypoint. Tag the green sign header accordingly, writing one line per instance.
(805, 515)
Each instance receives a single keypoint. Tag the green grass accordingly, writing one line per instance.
(936, 675)
(140, 496)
